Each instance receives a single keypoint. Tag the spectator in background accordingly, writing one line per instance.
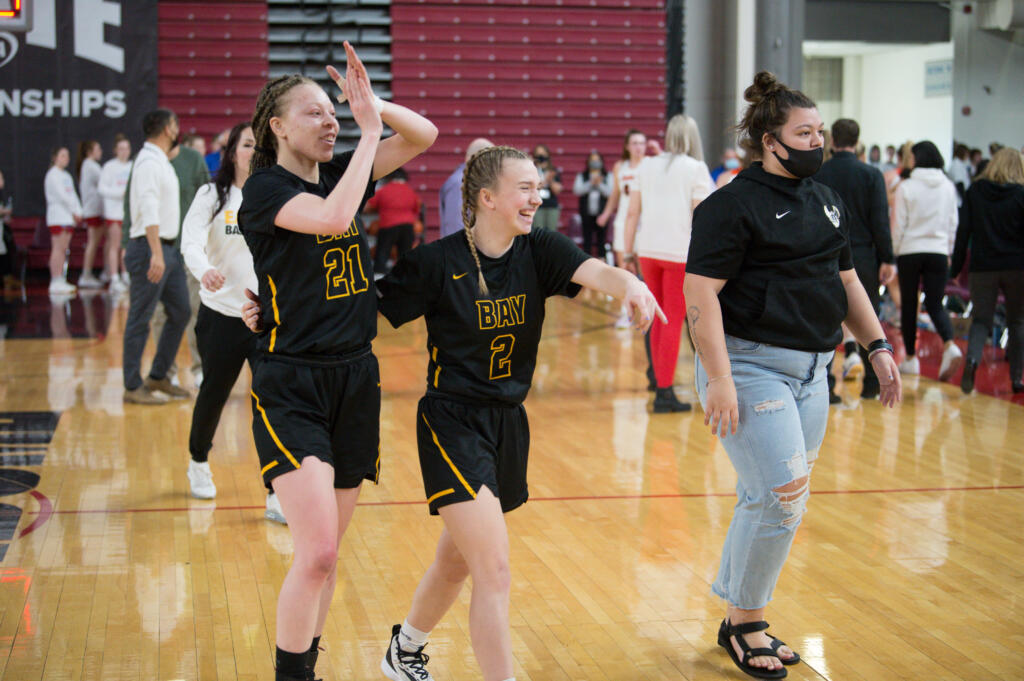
(730, 161)
(154, 263)
(549, 213)
(88, 170)
(890, 158)
(113, 185)
(213, 157)
(926, 219)
(959, 169)
(975, 161)
(593, 186)
(733, 165)
(7, 245)
(862, 189)
(669, 187)
(195, 142)
(397, 207)
(993, 147)
(450, 206)
(875, 156)
(63, 212)
(992, 226)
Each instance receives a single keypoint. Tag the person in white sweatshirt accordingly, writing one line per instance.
(113, 182)
(63, 212)
(924, 231)
(88, 170)
(658, 226)
(217, 255)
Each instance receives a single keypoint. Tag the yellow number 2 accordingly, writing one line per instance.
(344, 272)
(501, 351)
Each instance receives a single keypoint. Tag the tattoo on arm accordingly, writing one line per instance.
(693, 315)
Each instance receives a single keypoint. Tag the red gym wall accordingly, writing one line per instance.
(573, 74)
(213, 62)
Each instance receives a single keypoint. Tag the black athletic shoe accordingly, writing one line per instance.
(869, 390)
(665, 402)
(399, 665)
(833, 398)
(967, 380)
(1018, 387)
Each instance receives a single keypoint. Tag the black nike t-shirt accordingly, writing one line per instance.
(482, 347)
(780, 243)
(316, 291)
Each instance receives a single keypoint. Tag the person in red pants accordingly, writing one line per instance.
(670, 185)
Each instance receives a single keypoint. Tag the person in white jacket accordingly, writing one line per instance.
(217, 255)
(63, 212)
(924, 230)
(113, 182)
(88, 170)
(658, 225)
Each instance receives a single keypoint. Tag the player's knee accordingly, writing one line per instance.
(494, 573)
(792, 498)
(318, 562)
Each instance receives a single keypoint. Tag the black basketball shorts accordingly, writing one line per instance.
(464, 447)
(326, 408)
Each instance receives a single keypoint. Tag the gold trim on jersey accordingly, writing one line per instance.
(273, 435)
(277, 313)
(449, 461)
(437, 371)
(444, 492)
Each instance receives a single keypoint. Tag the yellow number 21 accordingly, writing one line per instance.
(344, 272)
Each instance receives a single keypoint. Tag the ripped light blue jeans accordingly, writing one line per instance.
(783, 413)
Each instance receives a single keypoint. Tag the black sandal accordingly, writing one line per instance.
(776, 644)
(727, 630)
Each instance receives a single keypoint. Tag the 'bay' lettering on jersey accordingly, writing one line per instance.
(351, 231)
(497, 314)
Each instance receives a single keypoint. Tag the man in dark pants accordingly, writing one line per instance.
(862, 189)
(154, 263)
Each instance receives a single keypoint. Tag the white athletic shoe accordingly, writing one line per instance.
(951, 359)
(200, 479)
(910, 366)
(853, 367)
(86, 280)
(274, 511)
(104, 277)
(60, 287)
(398, 665)
(117, 285)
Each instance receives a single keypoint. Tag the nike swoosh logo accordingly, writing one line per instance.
(779, 216)
(459, 276)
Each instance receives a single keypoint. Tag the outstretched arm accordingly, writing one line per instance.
(623, 285)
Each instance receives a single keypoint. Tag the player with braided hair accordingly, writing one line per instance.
(316, 383)
(472, 432)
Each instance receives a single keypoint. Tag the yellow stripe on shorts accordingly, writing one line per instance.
(270, 430)
(445, 455)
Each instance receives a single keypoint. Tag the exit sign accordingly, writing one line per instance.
(16, 15)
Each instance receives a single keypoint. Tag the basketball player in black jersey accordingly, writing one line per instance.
(316, 386)
(482, 292)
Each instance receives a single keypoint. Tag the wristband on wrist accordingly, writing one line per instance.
(880, 344)
(712, 379)
(378, 103)
(629, 257)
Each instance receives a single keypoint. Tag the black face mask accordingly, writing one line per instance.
(540, 159)
(801, 162)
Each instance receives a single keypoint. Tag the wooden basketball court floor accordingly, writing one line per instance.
(908, 565)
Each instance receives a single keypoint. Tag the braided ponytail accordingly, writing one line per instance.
(482, 172)
(268, 105)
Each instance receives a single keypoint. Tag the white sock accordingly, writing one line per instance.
(411, 639)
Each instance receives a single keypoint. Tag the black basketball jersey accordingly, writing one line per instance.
(316, 292)
(482, 347)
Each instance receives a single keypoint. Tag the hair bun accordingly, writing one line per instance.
(765, 85)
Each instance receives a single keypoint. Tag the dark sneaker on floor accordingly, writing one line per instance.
(165, 386)
(399, 665)
(665, 402)
(869, 390)
(967, 380)
(834, 399)
(143, 395)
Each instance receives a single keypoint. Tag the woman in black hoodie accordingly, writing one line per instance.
(992, 226)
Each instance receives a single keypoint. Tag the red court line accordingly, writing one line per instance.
(607, 497)
(45, 511)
